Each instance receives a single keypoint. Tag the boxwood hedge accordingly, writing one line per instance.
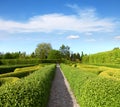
(31, 91)
(93, 90)
(100, 92)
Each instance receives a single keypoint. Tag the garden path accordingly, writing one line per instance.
(61, 95)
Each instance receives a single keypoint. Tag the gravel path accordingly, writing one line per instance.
(61, 96)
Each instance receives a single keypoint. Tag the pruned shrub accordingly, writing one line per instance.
(32, 91)
(100, 92)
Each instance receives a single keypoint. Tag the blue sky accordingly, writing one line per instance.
(90, 26)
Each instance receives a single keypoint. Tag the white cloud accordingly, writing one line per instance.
(73, 37)
(75, 7)
(86, 21)
(90, 40)
(88, 34)
(117, 37)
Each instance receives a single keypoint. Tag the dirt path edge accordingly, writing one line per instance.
(75, 104)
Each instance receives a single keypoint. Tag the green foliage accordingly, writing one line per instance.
(21, 72)
(76, 78)
(100, 92)
(8, 80)
(43, 50)
(19, 61)
(94, 86)
(31, 68)
(91, 68)
(54, 54)
(65, 51)
(113, 74)
(109, 65)
(75, 57)
(110, 57)
(32, 91)
(13, 55)
(11, 68)
(51, 61)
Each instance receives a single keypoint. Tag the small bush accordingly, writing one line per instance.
(75, 65)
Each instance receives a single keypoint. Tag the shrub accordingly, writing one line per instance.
(111, 73)
(31, 68)
(100, 92)
(76, 78)
(8, 80)
(21, 72)
(90, 68)
(11, 68)
(91, 89)
(19, 61)
(32, 91)
(29, 61)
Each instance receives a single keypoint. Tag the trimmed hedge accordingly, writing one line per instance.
(108, 65)
(32, 91)
(30, 68)
(19, 61)
(113, 74)
(11, 68)
(21, 72)
(8, 80)
(100, 92)
(91, 89)
(76, 78)
(28, 61)
(110, 57)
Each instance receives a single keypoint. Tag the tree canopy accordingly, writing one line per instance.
(65, 51)
(43, 50)
(54, 54)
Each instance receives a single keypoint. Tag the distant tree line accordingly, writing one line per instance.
(13, 55)
(45, 51)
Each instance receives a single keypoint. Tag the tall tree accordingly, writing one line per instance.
(65, 51)
(54, 54)
(78, 56)
(8, 55)
(32, 55)
(82, 55)
(1, 55)
(43, 50)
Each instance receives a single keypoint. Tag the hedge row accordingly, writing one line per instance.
(100, 92)
(28, 61)
(112, 56)
(18, 61)
(93, 90)
(11, 68)
(76, 78)
(21, 72)
(8, 80)
(108, 65)
(32, 91)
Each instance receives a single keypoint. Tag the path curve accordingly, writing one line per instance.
(60, 95)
